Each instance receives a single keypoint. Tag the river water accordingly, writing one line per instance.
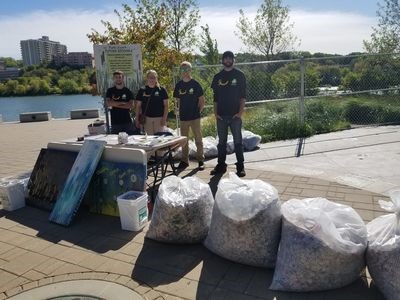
(59, 105)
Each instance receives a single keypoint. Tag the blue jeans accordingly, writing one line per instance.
(235, 124)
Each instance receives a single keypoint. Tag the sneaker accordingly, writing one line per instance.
(219, 169)
(182, 165)
(240, 170)
(201, 165)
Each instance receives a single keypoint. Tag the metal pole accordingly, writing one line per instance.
(300, 143)
(108, 131)
(302, 88)
(176, 107)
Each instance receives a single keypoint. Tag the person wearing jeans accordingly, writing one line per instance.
(235, 124)
(229, 87)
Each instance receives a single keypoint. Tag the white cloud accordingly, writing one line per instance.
(67, 27)
(328, 32)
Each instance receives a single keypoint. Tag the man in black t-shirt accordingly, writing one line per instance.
(189, 95)
(119, 99)
(229, 87)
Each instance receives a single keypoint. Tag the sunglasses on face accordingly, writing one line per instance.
(185, 69)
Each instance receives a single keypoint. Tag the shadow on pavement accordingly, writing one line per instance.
(98, 233)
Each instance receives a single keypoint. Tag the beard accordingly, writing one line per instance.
(228, 64)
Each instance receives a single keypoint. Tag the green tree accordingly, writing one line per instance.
(11, 62)
(182, 16)
(386, 36)
(146, 24)
(209, 47)
(68, 86)
(271, 31)
(286, 80)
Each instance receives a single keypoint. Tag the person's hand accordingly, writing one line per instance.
(218, 117)
(238, 115)
(163, 122)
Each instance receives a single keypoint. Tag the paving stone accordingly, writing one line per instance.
(187, 288)
(24, 262)
(68, 268)
(152, 295)
(30, 285)
(4, 247)
(92, 261)
(14, 291)
(33, 275)
(14, 284)
(45, 281)
(49, 266)
(6, 277)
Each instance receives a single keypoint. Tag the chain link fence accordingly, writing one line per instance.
(301, 97)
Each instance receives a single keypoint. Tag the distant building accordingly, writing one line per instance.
(41, 50)
(8, 73)
(75, 59)
(2, 65)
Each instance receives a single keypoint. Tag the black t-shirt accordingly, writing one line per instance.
(229, 87)
(120, 115)
(154, 99)
(188, 94)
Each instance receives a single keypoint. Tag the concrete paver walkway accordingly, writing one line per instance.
(34, 252)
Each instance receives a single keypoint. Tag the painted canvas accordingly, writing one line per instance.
(48, 177)
(77, 182)
(110, 180)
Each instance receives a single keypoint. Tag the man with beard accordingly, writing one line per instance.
(119, 99)
(229, 87)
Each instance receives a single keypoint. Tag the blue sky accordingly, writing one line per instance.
(337, 26)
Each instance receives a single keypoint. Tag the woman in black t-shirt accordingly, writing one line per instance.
(152, 105)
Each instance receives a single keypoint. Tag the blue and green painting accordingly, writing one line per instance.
(110, 180)
(77, 182)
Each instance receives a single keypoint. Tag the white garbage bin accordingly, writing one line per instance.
(133, 211)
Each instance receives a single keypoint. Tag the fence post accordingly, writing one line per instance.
(176, 106)
(302, 89)
(300, 143)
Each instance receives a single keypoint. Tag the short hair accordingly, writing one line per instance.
(186, 63)
(118, 72)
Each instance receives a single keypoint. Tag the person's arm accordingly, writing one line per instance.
(242, 97)
(123, 105)
(241, 108)
(165, 115)
(216, 111)
(201, 103)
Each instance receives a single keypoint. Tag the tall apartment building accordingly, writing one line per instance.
(76, 59)
(41, 50)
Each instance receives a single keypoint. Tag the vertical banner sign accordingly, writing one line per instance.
(125, 58)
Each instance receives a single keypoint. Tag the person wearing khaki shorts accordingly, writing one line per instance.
(151, 105)
(189, 95)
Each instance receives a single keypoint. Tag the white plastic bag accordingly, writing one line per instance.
(250, 140)
(210, 147)
(13, 192)
(246, 222)
(322, 246)
(182, 211)
(383, 251)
